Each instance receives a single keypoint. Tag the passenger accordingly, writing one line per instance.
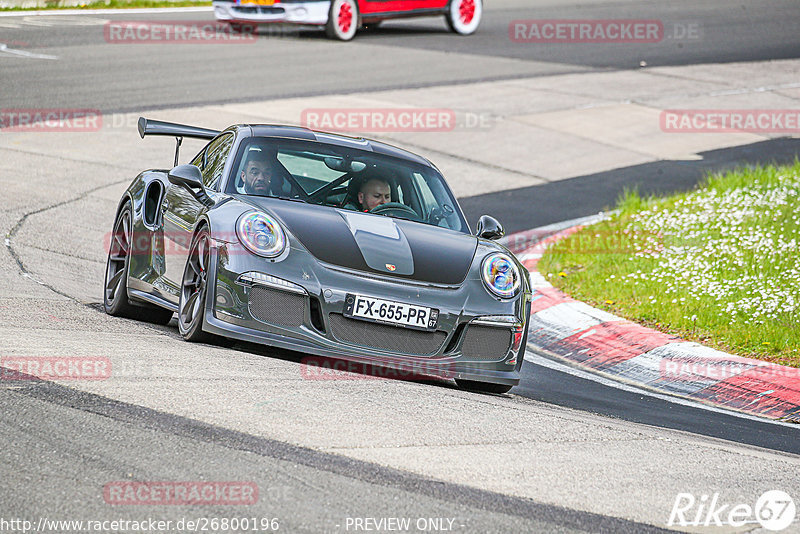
(259, 170)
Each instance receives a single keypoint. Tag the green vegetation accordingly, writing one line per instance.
(719, 264)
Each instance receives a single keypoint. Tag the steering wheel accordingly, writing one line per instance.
(397, 209)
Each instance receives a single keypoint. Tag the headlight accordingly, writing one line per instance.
(261, 234)
(500, 275)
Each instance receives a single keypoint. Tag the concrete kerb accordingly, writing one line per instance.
(595, 340)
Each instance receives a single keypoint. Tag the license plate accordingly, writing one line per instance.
(257, 2)
(386, 311)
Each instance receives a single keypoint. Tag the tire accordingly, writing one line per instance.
(464, 16)
(194, 285)
(343, 20)
(115, 284)
(483, 387)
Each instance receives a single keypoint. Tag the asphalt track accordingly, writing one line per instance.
(305, 490)
(90, 73)
(112, 77)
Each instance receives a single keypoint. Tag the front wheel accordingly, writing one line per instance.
(192, 301)
(483, 387)
(464, 16)
(342, 20)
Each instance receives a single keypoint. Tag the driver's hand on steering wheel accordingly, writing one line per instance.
(398, 209)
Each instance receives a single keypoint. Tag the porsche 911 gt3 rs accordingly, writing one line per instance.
(268, 236)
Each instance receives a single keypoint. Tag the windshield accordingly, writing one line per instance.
(345, 178)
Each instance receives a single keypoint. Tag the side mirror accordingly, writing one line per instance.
(190, 178)
(489, 228)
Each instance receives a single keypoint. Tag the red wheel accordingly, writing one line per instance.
(343, 20)
(464, 16)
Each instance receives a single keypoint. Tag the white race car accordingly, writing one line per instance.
(342, 18)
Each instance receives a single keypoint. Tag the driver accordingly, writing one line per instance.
(374, 193)
(258, 173)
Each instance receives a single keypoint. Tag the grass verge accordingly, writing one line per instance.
(112, 4)
(719, 264)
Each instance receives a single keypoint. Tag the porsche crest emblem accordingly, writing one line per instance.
(391, 267)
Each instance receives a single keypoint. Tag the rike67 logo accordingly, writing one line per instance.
(774, 511)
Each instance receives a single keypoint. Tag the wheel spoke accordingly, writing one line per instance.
(114, 281)
(202, 253)
(127, 229)
(195, 268)
(121, 244)
(197, 303)
(188, 306)
(201, 247)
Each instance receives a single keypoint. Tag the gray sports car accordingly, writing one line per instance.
(330, 245)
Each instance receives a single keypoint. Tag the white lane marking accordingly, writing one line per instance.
(47, 21)
(4, 49)
(538, 359)
(135, 11)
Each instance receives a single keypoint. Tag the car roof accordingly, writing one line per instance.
(360, 143)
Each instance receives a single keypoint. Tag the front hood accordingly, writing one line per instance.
(376, 244)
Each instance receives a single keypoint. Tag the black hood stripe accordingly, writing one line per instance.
(420, 252)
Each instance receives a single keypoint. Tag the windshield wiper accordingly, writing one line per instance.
(291, 199)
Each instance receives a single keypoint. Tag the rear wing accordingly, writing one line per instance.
(179, 131)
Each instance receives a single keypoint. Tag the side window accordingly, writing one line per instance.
(437, 208)
(427, 195)
(216, 154)
(198, 160)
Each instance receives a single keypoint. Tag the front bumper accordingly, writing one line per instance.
(305, 13)
(306, 315)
